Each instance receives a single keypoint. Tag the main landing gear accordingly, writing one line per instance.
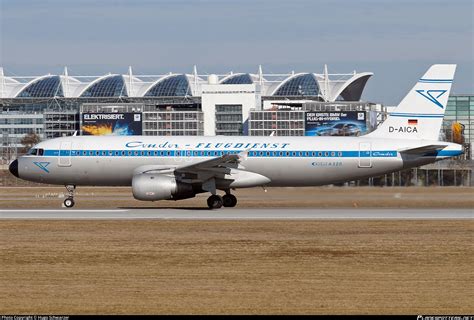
(229, 200)
(215, 201)
(69, 201)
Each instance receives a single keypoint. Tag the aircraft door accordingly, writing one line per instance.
(64, 159)
(365, 155)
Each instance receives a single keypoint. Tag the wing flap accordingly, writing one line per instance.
(226, 161)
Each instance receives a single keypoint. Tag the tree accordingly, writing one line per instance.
(28, 141)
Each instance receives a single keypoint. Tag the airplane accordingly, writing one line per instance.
(175, 168)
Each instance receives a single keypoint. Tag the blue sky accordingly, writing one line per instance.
(397, 40)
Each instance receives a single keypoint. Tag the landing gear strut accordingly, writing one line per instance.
(69, 201)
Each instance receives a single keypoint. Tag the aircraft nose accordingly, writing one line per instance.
(14, 168)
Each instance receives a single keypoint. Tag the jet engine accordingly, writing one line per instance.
(153, 187)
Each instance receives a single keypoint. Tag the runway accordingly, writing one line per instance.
(236, 214)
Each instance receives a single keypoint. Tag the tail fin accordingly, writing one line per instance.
(421, 112)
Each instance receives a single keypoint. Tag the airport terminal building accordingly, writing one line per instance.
(171, 104)
(255, 104)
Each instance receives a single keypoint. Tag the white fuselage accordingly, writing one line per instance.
(285, 161)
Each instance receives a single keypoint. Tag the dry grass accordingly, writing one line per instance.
(390, 267)
(320, 197)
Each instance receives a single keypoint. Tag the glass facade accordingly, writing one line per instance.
(170, 87)
(460, 109)
(239, 79)
(60, 123)
(281, 123)
(173, 123)
(229, 119)
(302, 85)
(44, 88)
(113, 86)
(14, 125)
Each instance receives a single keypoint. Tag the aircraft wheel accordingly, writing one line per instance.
(69, 202)
(214, 202)
(229, 200)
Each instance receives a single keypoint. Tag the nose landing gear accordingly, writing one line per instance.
(69, 201)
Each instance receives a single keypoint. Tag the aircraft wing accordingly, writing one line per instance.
(423, 149)
(208, 172)
(218, 165)
(222, 172)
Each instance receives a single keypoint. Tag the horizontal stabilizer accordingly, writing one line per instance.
(423, 149)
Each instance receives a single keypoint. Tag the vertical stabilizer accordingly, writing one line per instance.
(420, 114)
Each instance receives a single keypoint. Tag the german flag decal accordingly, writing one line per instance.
(412, 122)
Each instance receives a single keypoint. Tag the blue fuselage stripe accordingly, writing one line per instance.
(254, 154)
(447, 153)
(218, 153)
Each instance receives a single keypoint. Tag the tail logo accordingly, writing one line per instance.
(433, 95)
(42, 166)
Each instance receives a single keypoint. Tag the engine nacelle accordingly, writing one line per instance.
(153, 187)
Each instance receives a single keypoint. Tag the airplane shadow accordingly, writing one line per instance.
(167, 208)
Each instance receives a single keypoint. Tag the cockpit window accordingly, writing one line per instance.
(35, 152)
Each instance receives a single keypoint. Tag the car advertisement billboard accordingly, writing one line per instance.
(335, 123)
(113, 124)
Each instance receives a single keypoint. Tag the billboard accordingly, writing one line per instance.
(114, 124)
(335, 123)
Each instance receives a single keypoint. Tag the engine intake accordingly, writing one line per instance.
(153, 187)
